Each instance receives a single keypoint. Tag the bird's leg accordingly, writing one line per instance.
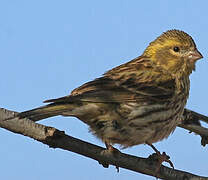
(161, 158)
(110, 150)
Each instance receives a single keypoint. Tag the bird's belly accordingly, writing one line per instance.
(130, 124)
(143, 124)
(153, 123)
(151, 131)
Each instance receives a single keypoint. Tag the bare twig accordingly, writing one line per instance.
(58, 139)
(192, 123)
(196, 116)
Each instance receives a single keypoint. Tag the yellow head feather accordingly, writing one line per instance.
(171, 51)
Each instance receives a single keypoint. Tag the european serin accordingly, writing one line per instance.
(139, 102)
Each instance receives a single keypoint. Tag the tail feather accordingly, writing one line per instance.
(47, 111)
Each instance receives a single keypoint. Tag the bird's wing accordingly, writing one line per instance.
(141, 76)
(99, 90)
(133, 81)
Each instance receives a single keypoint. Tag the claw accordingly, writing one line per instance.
(110, 150)
(160, 158)
(105, 165)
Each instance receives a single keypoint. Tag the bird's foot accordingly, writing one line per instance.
(160, 158)
(110, 150)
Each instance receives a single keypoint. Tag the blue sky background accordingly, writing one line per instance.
(48, 48)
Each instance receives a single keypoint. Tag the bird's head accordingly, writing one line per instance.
(174, 51)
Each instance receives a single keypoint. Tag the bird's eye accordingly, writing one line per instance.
(176, 49)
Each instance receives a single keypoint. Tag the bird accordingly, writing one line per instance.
(138, 102)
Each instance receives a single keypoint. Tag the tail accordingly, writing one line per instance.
(53, 109)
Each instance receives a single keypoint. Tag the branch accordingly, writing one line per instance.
(192, 123)
(58, 139)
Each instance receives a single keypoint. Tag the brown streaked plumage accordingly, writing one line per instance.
(138, 102)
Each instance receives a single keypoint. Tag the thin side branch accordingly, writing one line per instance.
(58, 139)
(192, 123)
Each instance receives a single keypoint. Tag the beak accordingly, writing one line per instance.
(194, 55)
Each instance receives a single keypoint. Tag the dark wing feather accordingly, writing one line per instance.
(137, 80)
(100, 90)
(143, 77)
